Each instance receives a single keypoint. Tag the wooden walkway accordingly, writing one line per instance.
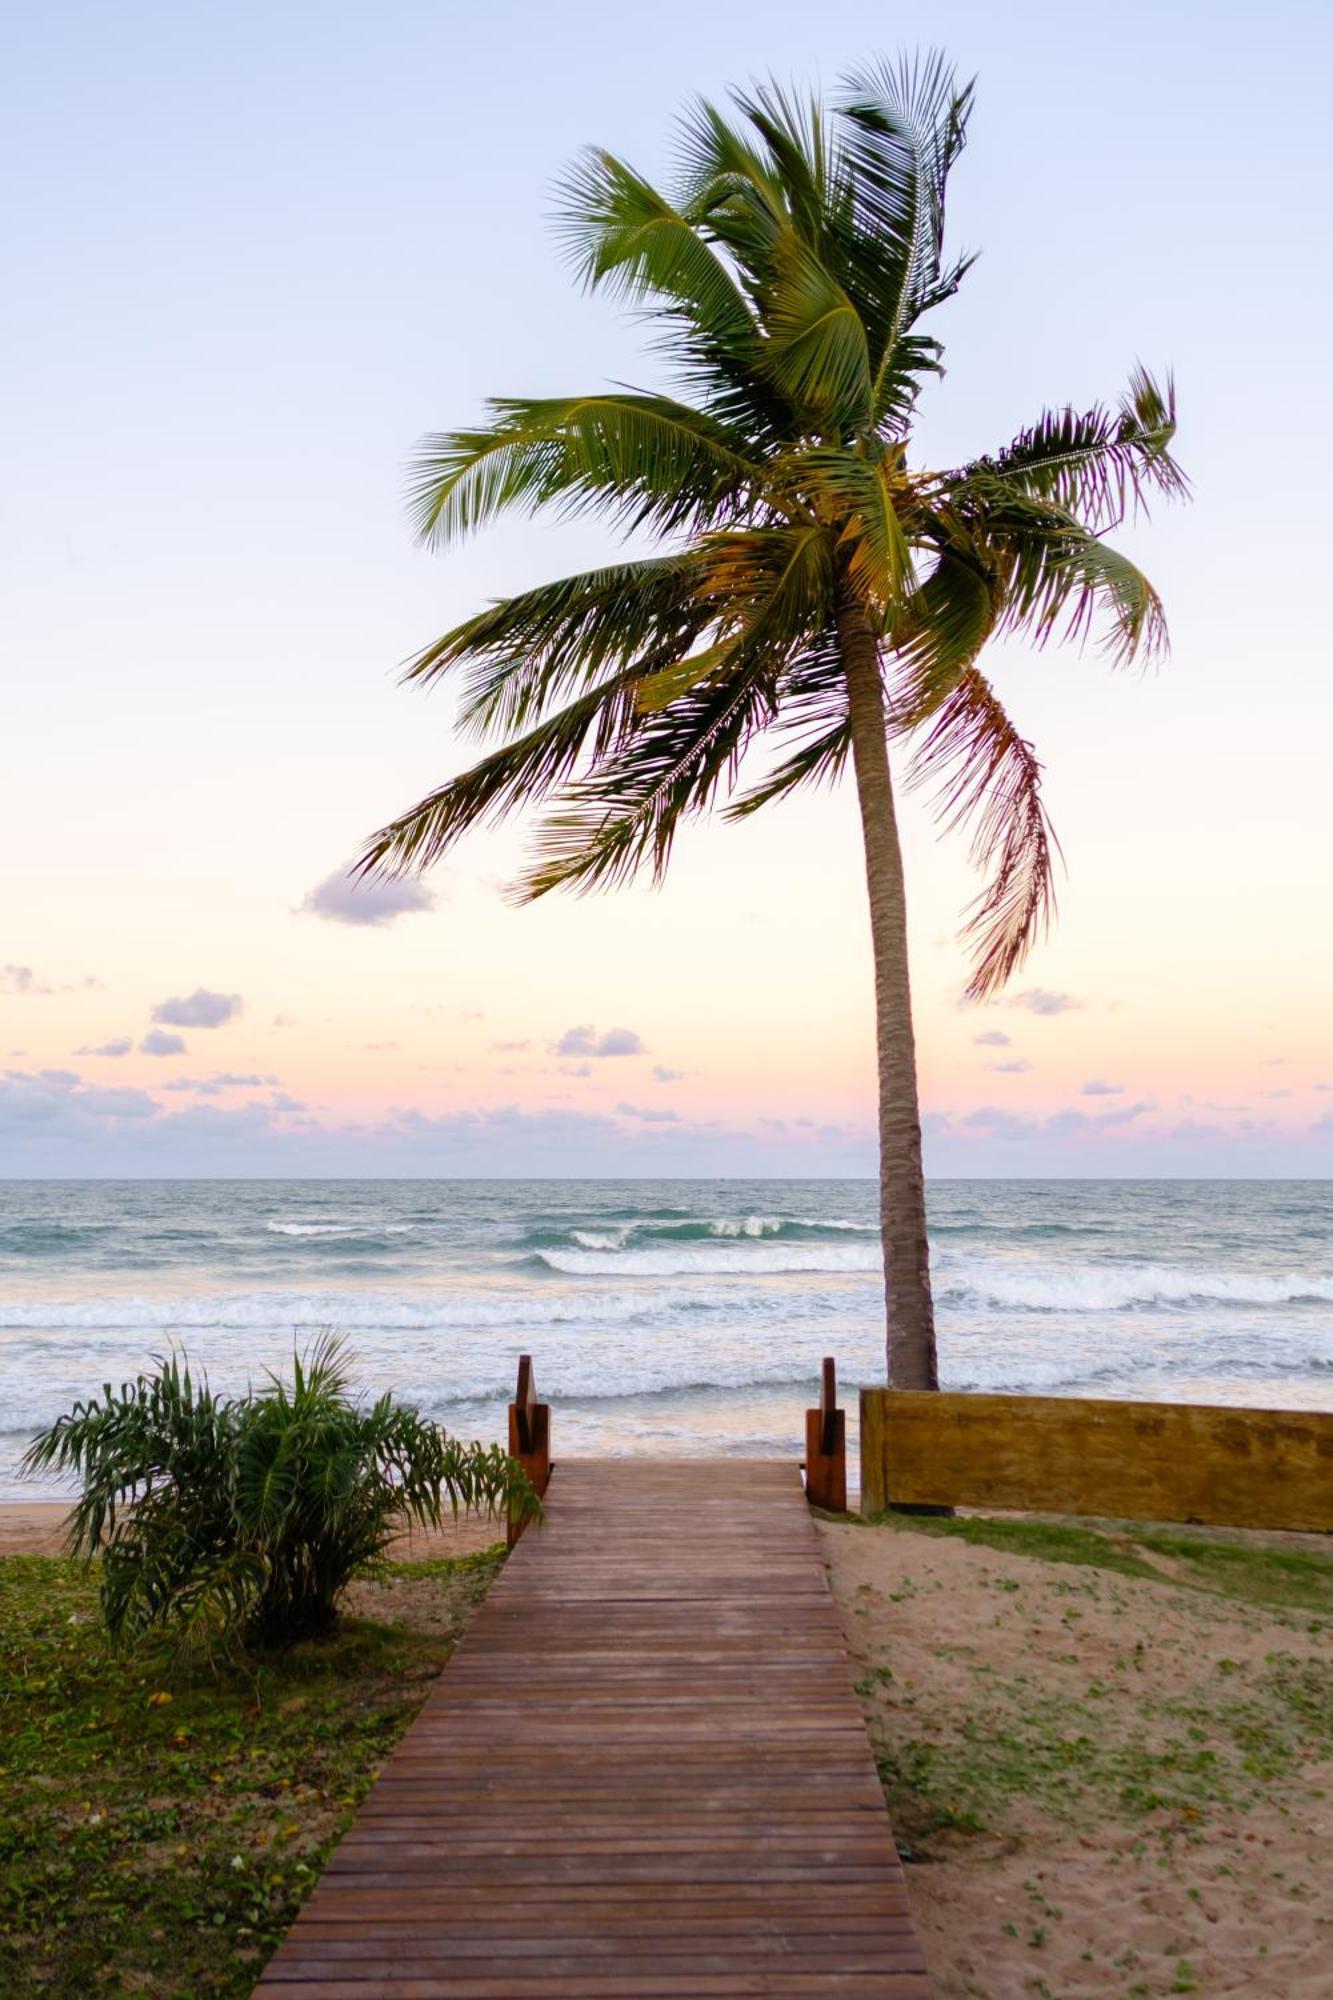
(643, 1775)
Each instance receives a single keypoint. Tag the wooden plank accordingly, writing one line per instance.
(643, 1777)
(1226, 1467)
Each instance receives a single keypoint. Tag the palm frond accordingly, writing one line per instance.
(856, 493)
(937, 635)
(1099, 464)
(817, 353)
(905, 126)
(623, 234)
(526, 652)
(516, 775)
(642, 458)
(812, 708)
(989, 775)
(628, 809)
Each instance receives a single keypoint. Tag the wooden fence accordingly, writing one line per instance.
(1069, 1455)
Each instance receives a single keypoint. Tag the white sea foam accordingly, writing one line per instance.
(705, 1260)
(1117, 1287)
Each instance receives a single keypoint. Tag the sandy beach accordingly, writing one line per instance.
(1103, 1784)
(37, 1528)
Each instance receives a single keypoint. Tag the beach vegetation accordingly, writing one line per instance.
(162, 1819)
(817, 595)
(1272, 1576)
(241, 1520)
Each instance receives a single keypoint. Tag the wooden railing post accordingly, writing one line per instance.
(826, 1446)
(529, 1435)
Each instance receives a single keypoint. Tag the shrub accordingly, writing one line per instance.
(241, 1519)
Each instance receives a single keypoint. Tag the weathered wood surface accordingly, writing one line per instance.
(1235, 1468)
(643, 1775)
(826, 1446)
(529, 1437)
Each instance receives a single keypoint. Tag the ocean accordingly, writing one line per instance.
(663, 1316)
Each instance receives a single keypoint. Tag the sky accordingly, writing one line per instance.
(252, 253)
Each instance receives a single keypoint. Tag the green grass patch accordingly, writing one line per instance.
(1176, 1763)
(1249, 1572)
(160, 1824)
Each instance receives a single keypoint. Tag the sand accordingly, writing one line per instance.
(1186, 1844)
(1102, 1785)
(37, 1528)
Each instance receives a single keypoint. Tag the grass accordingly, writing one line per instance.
(160, 1825)
(1272, 1577)
(1086, 1750)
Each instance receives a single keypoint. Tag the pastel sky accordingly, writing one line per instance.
(252, 252)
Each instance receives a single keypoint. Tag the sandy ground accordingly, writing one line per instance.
(1137, 1773)
(37, 1528)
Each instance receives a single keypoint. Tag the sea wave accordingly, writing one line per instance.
(716, 1260)
(316, 1231)
(632, 1232)
(1092, 1288)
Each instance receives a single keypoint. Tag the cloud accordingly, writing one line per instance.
(1324, 1086)
(370, 902)
(651, 1114)
(585, 1041)
(119, 1045)
(1039, 1000)
(1019, 1068)
(213, 1086)
(992, 1039)
(1094, 1087)
(108, 1101)
(49, 1103)
(510, 1048)
(21, 979)
(1065, 1123)
(156, 1043)
(200, 1009)
(1000, 1124)
(1277, 1093)
(661, 1074)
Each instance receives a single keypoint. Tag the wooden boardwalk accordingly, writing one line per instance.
(643, 1775)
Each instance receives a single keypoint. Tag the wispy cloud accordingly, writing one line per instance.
(1094, 1087)
(200, 1009)
(510, 1048)
(585, 1041)
(1018, 1068)
(367, 901)
(1040, 1000)
(21, 979)
(661, 1074)
(994, 1038)
(650, 1114)
(222, 1080)
(119, 1045)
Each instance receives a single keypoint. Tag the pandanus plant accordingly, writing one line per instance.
(815, 585)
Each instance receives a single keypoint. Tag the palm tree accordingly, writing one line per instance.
(813, 582)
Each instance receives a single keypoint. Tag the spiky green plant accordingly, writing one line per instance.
(240, 1520)
(819, 587)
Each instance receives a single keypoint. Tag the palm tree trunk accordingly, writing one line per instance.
(902, 1200)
